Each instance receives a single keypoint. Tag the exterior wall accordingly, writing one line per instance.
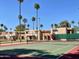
(44, 34)
(59, 30)
(62, 30)
(7, 35)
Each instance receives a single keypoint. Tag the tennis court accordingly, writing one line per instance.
(51, 50)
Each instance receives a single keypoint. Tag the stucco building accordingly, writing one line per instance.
(33, 34)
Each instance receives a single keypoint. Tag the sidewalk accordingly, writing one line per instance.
(12, 44)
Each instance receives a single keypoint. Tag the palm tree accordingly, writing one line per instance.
(1, 30)
(5, 28)
(11, 30)
(20, 16)
(1, 25)
(65, 24)
(56, 25)
(41, 25)
(25, 21)
(72, 22)
(33, 20)
(36, 6)
(51, 25)
(78, 23)
(28, 26)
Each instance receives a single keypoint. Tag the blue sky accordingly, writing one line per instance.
(50, 12)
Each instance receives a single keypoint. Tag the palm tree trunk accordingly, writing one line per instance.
(19, 8)
(33, 25)
(36, 19)
(20, 20)
(37, 26)
(39, 23)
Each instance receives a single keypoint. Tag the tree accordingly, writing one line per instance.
(20, 29)
(25, 21)
(41, 25)
(3, 27)
(10, 29)
(28, 26)
(20, 16)
(51, 25)
(65, 24)
(72, 22)
(1, 30)
(56, 25)
(33, 20)
(76, 29)
(37, 6)
(20, 1)
(78, 23)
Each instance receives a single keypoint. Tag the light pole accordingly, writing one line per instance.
(20, 17)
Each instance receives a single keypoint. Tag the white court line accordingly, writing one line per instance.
(67, 51)
(60, 48)
(71, 49)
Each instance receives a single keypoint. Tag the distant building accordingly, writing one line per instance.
(32, 34)
(62, 30)
(7, 35)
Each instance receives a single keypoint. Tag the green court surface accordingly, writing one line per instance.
(43, 49)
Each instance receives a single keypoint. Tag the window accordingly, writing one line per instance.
(55, 30)
(26, 32)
